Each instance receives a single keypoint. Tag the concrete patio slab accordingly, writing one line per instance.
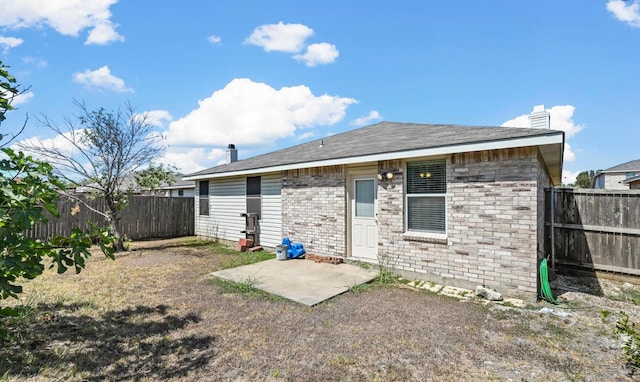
(300, 280)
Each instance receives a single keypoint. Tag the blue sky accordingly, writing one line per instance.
(267, 75)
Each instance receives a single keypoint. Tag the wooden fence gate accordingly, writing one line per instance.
(594, 229)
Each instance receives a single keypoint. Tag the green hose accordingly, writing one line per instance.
(544, 283)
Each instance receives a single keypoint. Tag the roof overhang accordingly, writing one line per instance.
(176, 187)
(551, 147)
(632, 179)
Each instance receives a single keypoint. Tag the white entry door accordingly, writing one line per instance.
(364, 222)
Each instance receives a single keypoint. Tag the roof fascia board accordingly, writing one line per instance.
(432, 151)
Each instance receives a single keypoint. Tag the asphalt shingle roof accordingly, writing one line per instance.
(384, 137)
(633, 165)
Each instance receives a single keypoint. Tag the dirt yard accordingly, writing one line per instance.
(156, 314)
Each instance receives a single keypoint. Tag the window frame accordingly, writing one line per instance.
(253, 196)
(202, 197)
(437, 234)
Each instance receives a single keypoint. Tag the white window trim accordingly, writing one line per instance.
(253, 197)
(424, 235)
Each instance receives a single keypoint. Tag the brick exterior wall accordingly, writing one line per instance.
(492, 223)
(314, 209)
(495, 219)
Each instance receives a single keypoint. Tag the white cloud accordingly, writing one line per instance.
(103, 33)
(36, 61)
(249, 113)
(101, 78)
(307, 135)
(280, 37)
(569, 155)
(67, 17)
(629, 14)
(60, 142)
(22, 98)
(519, 121)
(158, 117)
(194, 159)
(367, 119)
(7, 43)
(322, 53)
(214, 39)
(569, 177)
(561, 119)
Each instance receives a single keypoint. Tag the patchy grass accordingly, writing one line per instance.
(628, 294)
(387, 276)
(244, 287)
(236, 259)
(360, 288)
(156, 314)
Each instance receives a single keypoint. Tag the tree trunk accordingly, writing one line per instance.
(118, 245)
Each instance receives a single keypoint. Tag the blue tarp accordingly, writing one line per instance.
(294, 250)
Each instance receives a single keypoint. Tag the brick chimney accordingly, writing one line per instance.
(232, 153)
(539, 118)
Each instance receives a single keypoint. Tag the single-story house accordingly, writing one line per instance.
(179, 188)
(463, 205)
(614, 178)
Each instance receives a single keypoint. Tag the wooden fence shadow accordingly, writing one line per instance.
(567, 243)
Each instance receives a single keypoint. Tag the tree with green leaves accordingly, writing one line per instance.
(108, 153)
(585, 179)
(29, 191)
(9, 90)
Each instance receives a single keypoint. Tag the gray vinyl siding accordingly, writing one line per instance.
(227, 201)
(187, 193)
(271, 219)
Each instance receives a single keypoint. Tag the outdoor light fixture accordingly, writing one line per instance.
(385, 176)
(425, 175)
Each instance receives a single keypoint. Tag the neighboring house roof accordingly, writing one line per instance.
(633, 179)
(630, 166)
(129, 184)
(179, 183)
(392, 140)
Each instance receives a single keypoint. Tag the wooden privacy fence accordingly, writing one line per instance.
(595, 229)
(145, 217)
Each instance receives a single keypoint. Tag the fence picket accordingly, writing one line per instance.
(597, 229)
(145, 217)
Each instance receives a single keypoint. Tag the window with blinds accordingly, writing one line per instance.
(426, 196)
(203, 197)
